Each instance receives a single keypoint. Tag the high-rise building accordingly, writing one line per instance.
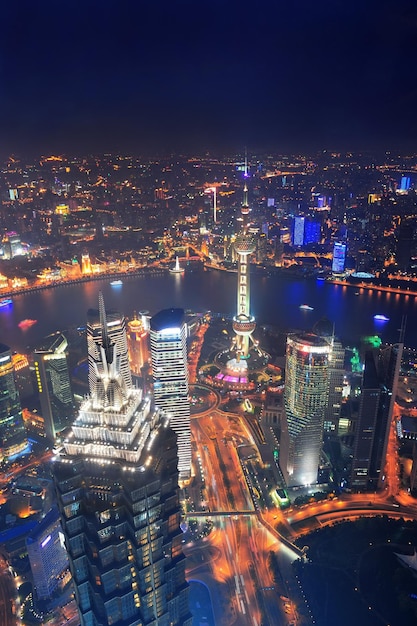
(376, 405)
(336, 372)
(406, 244)
(170, 376)
(138, 344)
(54, 385)
(305, 231)
(116, 330)
(48, 557)
(339, 257)
(13, 440)
(117, 489)
(305, 400)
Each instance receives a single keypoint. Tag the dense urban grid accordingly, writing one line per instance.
(207, 467)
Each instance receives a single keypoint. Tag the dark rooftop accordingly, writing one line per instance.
(167, 318)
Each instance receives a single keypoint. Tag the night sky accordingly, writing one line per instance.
(152, 76)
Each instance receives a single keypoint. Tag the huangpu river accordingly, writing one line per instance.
(275, 300)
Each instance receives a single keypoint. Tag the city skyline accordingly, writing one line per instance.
(274, 455)
(189, 76)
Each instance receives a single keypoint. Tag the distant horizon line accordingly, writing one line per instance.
(209, 152)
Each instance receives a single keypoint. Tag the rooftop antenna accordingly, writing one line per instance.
(104, 331)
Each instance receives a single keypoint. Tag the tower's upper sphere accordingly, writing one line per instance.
(244, 244)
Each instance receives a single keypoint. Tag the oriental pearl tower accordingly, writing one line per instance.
(243, 322)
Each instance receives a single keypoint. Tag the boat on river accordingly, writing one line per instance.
(24, 324)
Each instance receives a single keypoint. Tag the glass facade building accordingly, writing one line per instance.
(54, 385)
(170, 375)
(116, 331)
(13, 440)
(305, 398)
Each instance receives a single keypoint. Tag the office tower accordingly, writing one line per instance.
(336, 372)
(54, 386)
(12, 245)
(48, 557)
(13, 440)
(339, 257)
(376, 404)
(116, 330)
(305, 231)
(405, 245)
(262, 248)
(23, 375)
(298, 231)
(138, 344)
(170, 376)
(117, 490)
(305, 400)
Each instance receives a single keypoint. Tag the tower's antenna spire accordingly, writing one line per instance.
(103, 323)
(245, 176)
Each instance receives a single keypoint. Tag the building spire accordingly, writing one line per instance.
(245, 205)
(104, 331)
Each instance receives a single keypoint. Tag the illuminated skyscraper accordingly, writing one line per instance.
(376, 405)
(339, 257)
(48, 557)
(305, 399)
(243, 322)
(116, 331)
(325, 329)
(138, 345)
(170, 375)
(54, 386)
(117, 488)
(13, 440)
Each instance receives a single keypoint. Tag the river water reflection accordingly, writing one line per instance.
(275, 300)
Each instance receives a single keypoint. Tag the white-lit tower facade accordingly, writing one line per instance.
(116, 332)
(305, 400)
(170, 377)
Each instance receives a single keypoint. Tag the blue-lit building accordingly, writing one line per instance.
(13, 440)
(405, 183)
(48, 557)
(305, 231)
(339, 257)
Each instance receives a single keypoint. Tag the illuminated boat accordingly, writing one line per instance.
(24, 324)
(5, 302)
(306, 307)
(116, 283)
(381, 318)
